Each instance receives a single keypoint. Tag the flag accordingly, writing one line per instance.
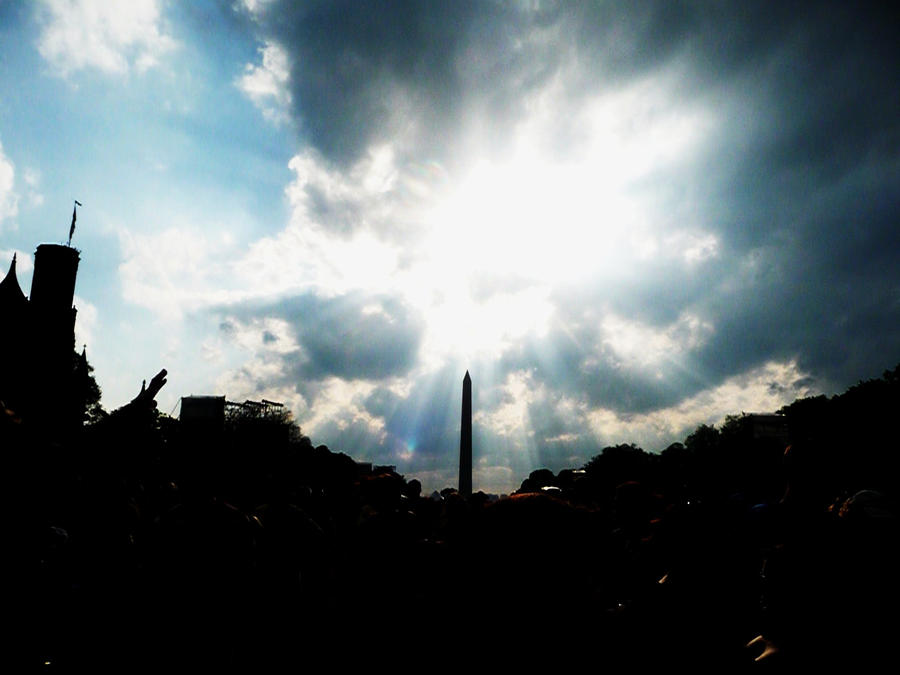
(72, 228)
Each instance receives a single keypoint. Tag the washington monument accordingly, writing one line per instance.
(465, 439)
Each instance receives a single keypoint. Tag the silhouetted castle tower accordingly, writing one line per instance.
(37, 341)
(53, 285)
(465, 439)
(53, 320)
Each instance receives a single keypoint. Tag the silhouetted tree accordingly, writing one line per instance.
(807, 417)
(703, 441)
(674, 467)
(265, 423)
(855, 430)
(617, 464)
(537, 480)
(88, 389)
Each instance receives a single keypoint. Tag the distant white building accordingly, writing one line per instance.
(767, 426)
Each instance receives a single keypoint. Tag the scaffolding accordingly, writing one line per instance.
(262, 408)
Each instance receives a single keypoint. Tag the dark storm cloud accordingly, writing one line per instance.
(364, 72)
(348, 58)
(801, 189)
(572, 363)
(353, 336)
(826, 296)
(820, 286)
(812, 213)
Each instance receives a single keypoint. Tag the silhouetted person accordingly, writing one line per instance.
(809, 571)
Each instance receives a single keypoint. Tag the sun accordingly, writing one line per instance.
(506, 238)
(508, 233)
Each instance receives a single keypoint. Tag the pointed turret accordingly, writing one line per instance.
(14, 340)
(11, 295)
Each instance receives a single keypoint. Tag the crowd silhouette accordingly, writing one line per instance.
(144, 542)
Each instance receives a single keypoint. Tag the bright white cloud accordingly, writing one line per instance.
(698, 248)
(334, 239)
(510, 417)
(266, 84)
(210, 351)
(763, 389)
(255, 6)
(478, 252)
(338, 403)
(24, 265)
(358, 199)
(266, 335)
(32, 178)
(189, 266)
(175, 271)
(337, 406)
(85, 323)
(640, 346)
(249, 382)
(113, 37)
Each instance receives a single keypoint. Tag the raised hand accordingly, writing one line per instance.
(148, 394)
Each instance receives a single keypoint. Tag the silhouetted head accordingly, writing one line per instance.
(809, 474)
(413, 489)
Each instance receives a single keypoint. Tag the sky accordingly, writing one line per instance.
(624, 219)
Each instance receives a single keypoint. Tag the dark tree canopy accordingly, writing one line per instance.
(90, 390)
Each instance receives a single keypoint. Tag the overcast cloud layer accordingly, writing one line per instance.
(624, 219)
